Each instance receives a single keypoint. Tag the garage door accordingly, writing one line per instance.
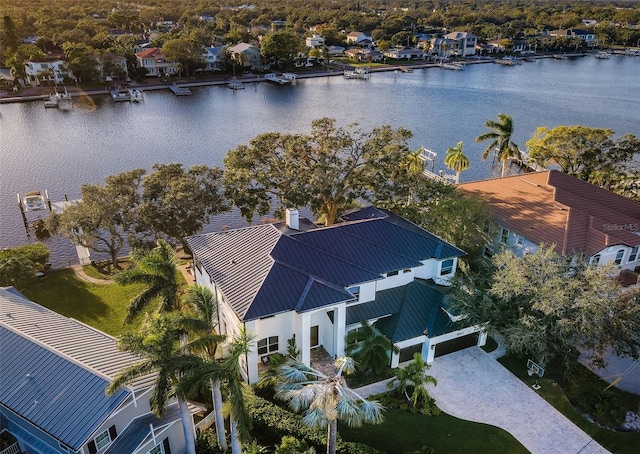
(454, 345)
(406, 354)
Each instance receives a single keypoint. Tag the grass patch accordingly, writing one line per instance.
(403, 432)
(102, 306)
(585, 390)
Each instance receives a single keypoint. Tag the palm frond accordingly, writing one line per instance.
(349, 411)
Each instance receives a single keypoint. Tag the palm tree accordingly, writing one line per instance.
(413, 378)
(500, 137)
(158, 270)
(369, 348)
(159, 347)
(237, 390)
(456, 160)
(202, 300)
(326, 398)
(16, 69)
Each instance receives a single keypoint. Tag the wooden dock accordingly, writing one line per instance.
(179, 91)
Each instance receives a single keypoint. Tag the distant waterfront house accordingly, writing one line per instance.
(53, 375)
(50, 69)
(359, 39)
(114, 66)
(406, 53)
(557, 209)
(588, 37)
(296, 280)
(443, 47)
(335, 50)
(246, 55)
(214, 58)
(155, 63)
(462, 44)
(314, 41)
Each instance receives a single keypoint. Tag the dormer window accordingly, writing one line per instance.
(634, 254)
(595, 259)
(619, 256)
(446, 267)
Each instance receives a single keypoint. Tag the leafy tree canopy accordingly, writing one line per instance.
(281, 48)
(326, 170)
(544, 308)
(18, 265)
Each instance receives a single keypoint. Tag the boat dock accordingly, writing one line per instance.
(119, 96)
(273, 77)
(235, 85)
(358, 73)
(179, 91)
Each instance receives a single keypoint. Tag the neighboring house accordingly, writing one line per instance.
(588, 37)
(117, 68)
(406, 54)
(47, 69)
(335, 51)
(314, 41)
(53, 375)
(314, 284)
(246, 55)
(557, 209)
(443, 47)
(278, 25)
(359, 39)
(156, 65)
(463, 44)
(214, 58)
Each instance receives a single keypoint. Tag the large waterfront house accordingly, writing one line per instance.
(50, 69)
(53, 375)
(246, 55)
(295, 280)
(462, 44)
(361, 39)
(586, 36)
(214, 58)
(314, 41)
(557, 209)
(155, 63)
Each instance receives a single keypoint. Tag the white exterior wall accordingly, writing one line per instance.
(398, 280)
(608, 255)
(175, 435)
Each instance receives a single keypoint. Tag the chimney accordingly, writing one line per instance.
(293, 219)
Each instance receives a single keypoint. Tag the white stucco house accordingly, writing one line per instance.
(155, 63)
(557, 209)
(464, 44)
(53, 375)
(314, 41)
(296, 280)
(47, 69)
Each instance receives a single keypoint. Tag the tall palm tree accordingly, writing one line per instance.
(204, 303)
(158, 270)
(369, 348)
(237, 390)
(456, 160)
(500, 137)
(158, 344)
(16, 69)
(326, 399)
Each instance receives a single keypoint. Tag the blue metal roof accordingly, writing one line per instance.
(55, 394)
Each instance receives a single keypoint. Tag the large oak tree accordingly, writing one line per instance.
(327, 170)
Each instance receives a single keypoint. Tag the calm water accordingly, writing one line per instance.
(56, 150)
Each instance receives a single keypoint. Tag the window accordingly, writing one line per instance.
(520, 241)
(103, 439)
(504, 236)
(446, 267)
(392, 273)
(619, 256)
(355, 291)
(488, 252)
(156, 450)
(595, 259)
(634, 254)
(268, 345)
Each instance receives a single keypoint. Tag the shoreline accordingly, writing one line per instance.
(78, 92)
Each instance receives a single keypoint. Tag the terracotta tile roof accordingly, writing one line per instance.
(152, 52)
(554, 208)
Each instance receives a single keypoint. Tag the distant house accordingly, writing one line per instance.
(335, 50)
(53, 375)
(464, 44)
(359, 39)
(113, 66)
(278, 25)
(214, 58)
(443, 47)
(557, 209)
(295, 280)
(155, 63)
(586, 36)
(406, 53)
(50, 69)
(246, 55)
(314, 41)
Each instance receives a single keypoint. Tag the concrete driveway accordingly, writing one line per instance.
(472, 385)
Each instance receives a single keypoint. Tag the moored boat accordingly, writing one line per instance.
(454, 65)
(358, 73)
(235, 85)
(135, 94)
(34, 201)
(602, 55)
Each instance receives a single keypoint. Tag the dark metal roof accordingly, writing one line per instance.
(55, 394)
(139, 429)
(267, 269)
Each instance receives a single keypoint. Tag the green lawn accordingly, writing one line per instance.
(403, 433)
(583, 386)
(101, 306)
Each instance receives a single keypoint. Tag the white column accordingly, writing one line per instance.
(395, 360)
(252, 357)
(339, 328)
(428, 351)
(304, 344)
(482, 338)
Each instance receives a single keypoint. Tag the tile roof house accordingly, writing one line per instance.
(296, 280)
(557, 209)
(53, 375)
(155, 63)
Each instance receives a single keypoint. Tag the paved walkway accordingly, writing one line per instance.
(475, 387)
(85, 277)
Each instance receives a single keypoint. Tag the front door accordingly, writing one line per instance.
(314, 336)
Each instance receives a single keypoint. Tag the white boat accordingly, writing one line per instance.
(508, 61)
(602, 55)
(273, 77)
(358, 73)
(455, 66)
(120, 95)
(51, 101)
(135, 94)
(34, 201)
(290, 76)
(59, 100)
(235, 85)
(560, 57)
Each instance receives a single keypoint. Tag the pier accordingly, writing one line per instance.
(179, 91)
